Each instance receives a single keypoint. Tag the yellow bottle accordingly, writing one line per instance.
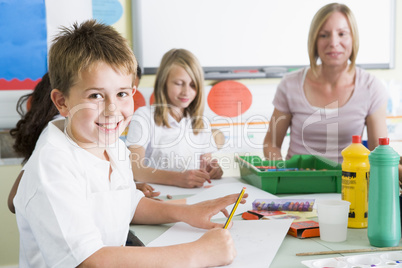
(355, 178)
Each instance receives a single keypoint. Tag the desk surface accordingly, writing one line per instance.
(286, 255)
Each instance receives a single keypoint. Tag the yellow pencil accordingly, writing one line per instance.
(234, 208)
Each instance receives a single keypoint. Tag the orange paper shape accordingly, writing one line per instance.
(229, 98)
(139, 100)
(152, 99)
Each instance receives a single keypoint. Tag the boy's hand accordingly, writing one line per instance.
(199, 215)
(217, 248)
(147, 189)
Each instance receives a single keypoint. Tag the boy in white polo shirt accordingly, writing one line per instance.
(77, 196)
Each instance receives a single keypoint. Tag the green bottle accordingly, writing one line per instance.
(384, 223)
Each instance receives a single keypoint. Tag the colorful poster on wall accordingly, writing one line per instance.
(23, 43)
(27, 29)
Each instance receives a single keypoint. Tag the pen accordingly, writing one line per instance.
(234, 208)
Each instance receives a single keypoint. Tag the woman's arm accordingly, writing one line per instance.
(278, 127)
(400, 171)
(376, 126)
(13, 192)
(186, 179)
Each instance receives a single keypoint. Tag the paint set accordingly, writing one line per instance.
(384, 259)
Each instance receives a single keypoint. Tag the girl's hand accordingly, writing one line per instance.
(199, 215)
(211, 166)
(217, 248)
(193, 178)
(147, 189)
(214, 170)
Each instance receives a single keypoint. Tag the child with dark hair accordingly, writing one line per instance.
(41, 110)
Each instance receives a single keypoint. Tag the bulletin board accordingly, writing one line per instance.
(27, 29)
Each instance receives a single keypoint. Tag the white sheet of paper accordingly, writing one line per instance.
(231, 188)
(256, 242)
(175, 190)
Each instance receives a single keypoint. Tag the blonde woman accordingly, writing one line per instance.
(327, 103)
(171, 142)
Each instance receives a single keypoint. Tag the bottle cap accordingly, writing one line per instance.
(384, 141)
(356, 139)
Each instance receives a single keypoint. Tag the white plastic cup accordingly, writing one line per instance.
(333, 219)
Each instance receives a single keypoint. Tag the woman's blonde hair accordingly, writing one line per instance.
(185, 59)
(319, 19)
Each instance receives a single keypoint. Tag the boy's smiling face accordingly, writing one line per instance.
(99, 106)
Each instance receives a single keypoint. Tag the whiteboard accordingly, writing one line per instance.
(233, 34)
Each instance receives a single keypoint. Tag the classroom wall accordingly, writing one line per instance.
(9, 232)
(262, 90)
(386, 74)
(9, 236)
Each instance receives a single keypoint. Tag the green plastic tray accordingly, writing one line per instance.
(325, 178)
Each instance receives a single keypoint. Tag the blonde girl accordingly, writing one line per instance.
(171, 142)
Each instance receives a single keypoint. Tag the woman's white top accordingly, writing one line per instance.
(322, 131)
(66, 206)
(175, 148)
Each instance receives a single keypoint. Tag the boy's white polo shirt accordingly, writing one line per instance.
(66, 207)
(175, 148)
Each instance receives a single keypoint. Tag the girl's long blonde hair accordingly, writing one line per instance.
(186, 60)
